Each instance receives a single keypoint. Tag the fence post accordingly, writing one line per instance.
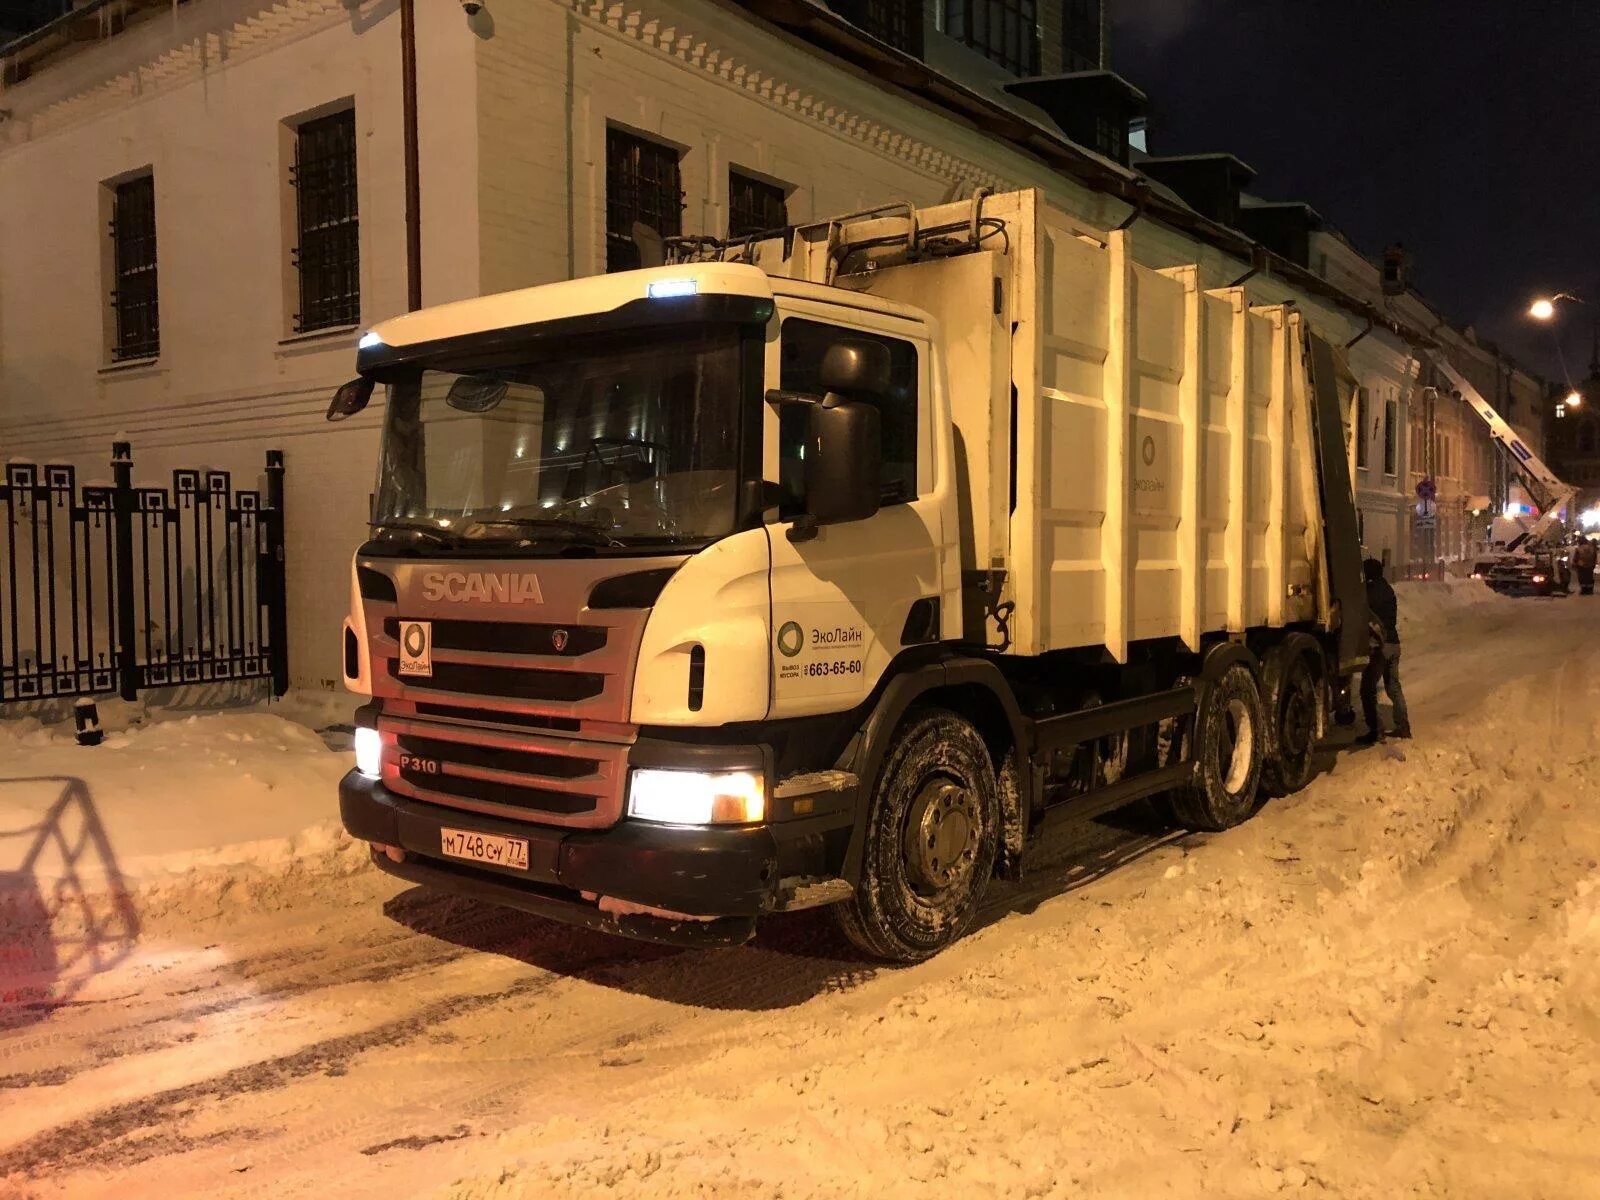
(276, 583)
(122, 585)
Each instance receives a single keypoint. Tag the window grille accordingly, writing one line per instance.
(897, 22)
(754, 206)
(1111, 136)
(328, 257)
(1080, 35)
(1363, 400)
(643, 185)
(1003, 31)
(133, 294)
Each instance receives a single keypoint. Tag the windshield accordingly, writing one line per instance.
(601, 440)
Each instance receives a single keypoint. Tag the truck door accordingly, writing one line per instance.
(846, 601)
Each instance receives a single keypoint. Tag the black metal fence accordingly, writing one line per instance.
(121, 588)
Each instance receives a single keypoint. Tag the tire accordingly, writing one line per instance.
(919, 891)
(1230, 736)
(1291, 763)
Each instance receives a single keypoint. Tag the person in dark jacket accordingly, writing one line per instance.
(1384, 661)
(1583, 559)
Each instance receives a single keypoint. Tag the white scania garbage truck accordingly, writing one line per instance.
(830, 567)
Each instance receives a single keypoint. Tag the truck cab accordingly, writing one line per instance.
(632, 537)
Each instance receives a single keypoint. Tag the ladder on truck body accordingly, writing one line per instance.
(1543, 484)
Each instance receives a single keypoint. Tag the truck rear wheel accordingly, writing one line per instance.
(932, 835)
(1289, 766)
(1230, 733)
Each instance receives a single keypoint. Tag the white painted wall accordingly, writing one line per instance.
(512, 143)
(231, 379)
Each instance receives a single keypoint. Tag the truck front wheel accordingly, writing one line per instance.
(931, 838)
(1229, 742)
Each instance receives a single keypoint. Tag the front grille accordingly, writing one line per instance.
(512, 683)
(490, 637)
(531, 775)
(492, 716)
(504, 794)
(557, 665)
(497, 758)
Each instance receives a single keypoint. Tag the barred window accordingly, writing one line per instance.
(1080, 35)
(133, 293)
(897, 22)
(328, 257)
(755, 206)
(1111, 136)
(1363, 404)
(1003, 31)
(642, 185)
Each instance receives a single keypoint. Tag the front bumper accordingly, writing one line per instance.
(713, 882)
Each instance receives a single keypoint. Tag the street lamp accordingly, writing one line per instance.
(1544, 308)
(1574, 398)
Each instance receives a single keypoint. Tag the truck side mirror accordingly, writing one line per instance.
(843, 462)
(856, 368)
(350, 399)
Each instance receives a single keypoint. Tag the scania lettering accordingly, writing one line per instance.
(834, 568)
(456, 586)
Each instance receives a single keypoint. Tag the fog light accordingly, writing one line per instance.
(697, 797)
(369, 753)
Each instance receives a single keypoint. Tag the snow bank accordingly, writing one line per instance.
(1429, 610)
(165, 796)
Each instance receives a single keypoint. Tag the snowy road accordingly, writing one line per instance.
(1387, 985)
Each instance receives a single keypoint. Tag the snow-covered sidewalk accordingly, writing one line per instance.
(165, 795)
(164, 798)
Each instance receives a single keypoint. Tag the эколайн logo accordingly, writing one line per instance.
(791, 639)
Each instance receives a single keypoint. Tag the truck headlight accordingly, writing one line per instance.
(696, 797)
(369, 753)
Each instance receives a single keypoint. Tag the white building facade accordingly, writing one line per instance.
(271, 138)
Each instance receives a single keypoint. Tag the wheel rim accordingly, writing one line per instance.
(1235, 746)
(941, 837)
(1298, 722)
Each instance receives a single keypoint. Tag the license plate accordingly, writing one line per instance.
(485, 848)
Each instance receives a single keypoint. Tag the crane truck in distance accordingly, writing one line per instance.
(1532, 558)
(829, 568)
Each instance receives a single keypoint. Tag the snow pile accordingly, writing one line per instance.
(164, 798)
(1429, 609)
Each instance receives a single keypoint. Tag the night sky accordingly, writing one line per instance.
(1467, 129)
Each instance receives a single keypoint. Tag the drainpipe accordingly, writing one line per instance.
(408, 104)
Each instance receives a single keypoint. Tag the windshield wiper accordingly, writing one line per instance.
(578, 531)
(415, 528)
